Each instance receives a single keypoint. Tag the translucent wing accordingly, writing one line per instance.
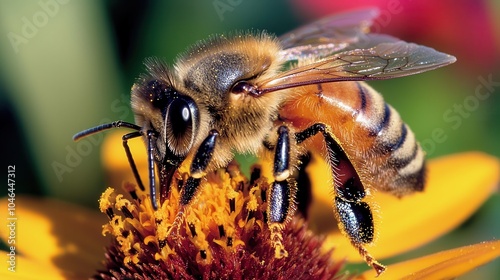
(345, 27)
(383, 61)
(327, 35)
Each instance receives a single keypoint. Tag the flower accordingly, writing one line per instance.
(63, 241)
(221, 235)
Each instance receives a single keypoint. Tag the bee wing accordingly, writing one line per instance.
(334, 29)
(327, 35)
(383, 61)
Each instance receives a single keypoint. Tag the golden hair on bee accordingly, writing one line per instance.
(207, 72)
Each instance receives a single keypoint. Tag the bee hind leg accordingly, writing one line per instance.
(353, 215)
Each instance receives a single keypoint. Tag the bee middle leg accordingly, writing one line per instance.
(281, 201)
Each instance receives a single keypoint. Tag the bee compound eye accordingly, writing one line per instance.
(181, 124)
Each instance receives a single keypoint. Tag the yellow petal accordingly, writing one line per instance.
(58, 235)
(457, 186)
(25, 269)
(443, 265)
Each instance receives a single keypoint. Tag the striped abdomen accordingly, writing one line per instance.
(380, 146)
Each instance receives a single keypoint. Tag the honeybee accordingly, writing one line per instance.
(302, 92)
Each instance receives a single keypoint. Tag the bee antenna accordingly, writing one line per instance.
(105, 126)
(125, 138)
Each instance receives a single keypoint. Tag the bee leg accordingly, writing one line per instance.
(165, 173)
(203, 155)
(130, 158)
(281, 203)
(151, 169)
(198, 167)
(354, 216)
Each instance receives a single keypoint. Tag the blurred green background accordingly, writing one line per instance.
(69, 65)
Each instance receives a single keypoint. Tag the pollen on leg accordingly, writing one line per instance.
(277, 240)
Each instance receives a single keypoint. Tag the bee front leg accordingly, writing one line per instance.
(130, 158)
(151, 169)
(166, 170)
(281, 204)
